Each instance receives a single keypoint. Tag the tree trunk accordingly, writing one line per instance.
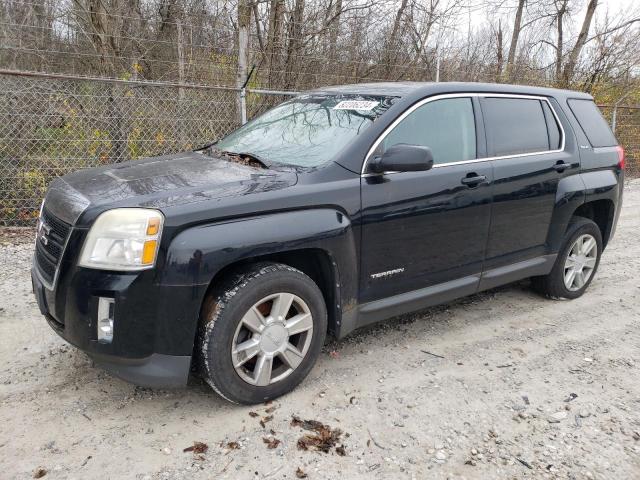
(274, 39)
(256, 19)
(295, 41)
(562, 10)
(391, 46)
(334, 31)
(574, 54)
(499, 53)
(180, 48)
(100, 35)
(181, 110)
(103, 33)
(517, 27)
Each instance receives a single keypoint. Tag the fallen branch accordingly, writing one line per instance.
(432, 354)
(525, 463)
(375, 442)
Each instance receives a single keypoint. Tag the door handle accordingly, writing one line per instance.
(473, 179)
(561, 166)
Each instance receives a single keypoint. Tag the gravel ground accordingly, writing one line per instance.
(504, 384)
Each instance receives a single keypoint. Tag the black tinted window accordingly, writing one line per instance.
(446, 126)
(594, 125)
(515, 125)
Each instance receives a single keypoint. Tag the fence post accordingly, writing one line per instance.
(243, 105)
(614, 115)
(244, 20)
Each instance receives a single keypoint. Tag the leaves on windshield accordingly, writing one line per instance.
(241, 158)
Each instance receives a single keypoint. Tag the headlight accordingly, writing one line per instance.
(123, 239)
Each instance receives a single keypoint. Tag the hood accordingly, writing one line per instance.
(159, 182)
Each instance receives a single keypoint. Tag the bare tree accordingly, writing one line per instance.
(515, 35)
(570, 65)
(274, 40)
(499, 53)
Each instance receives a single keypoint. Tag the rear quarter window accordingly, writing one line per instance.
(592, 123)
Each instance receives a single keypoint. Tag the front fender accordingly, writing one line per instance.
(197, 254)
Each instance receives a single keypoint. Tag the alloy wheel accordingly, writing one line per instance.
(580, 262)
(272, 339)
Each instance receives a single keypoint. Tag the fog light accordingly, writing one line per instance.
(105, 319)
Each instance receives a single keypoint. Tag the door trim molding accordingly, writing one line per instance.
(414, 300)
(513, 272)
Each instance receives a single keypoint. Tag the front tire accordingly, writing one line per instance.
(261, 332)
(576, 264)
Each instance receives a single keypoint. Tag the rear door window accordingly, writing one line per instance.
(516, 126)
(592, 122)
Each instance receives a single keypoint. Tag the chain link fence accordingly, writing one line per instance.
(626, 125)
(50, 126)
(53, 124)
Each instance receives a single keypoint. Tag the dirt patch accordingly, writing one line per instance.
(504, 384)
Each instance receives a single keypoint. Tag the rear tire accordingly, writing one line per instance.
(261, 332)
(576, 264)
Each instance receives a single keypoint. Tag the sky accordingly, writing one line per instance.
(480, 14)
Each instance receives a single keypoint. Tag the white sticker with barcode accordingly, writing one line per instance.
(365, 105)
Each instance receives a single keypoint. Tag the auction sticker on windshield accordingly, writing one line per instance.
(356, 105)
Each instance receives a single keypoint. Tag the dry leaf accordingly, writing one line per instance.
(39, 472)
(271, 442)
(266, 419)
(323, 439)
(197, 448)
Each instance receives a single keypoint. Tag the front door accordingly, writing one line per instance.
(421, 229)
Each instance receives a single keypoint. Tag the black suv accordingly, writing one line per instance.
(341, 207)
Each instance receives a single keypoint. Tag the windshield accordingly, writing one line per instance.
(306, 131)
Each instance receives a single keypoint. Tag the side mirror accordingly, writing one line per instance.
(403, 157)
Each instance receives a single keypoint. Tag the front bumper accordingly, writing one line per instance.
(154, 326)
(154, 371)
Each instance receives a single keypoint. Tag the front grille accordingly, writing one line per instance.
(50, 246)
(59, 229)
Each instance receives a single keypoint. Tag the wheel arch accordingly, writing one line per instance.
(594, 195)
(316, 263)
(602, 213)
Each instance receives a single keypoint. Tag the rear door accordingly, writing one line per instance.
(526, 141)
